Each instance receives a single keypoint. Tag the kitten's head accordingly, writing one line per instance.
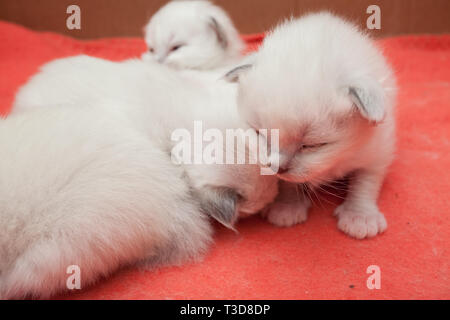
(192, 34)
(323, 85)
(227, 192)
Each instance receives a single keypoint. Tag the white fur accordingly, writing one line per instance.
(189, 23)
(157, 100)
(81, 187)
(92, 184)
(300, 83)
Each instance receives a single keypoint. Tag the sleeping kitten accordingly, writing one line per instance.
(82, 187)
(157, 99)
(192, 35)
(85, 148)
(330, 91)
(86, 188)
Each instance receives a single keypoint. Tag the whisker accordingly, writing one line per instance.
(323, 198)
(330, 193)
(298, 194)
(312, 189)
(331, 185)
(306, 189)
(303, 190)
(319, 185)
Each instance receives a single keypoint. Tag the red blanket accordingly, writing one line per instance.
(312, 260)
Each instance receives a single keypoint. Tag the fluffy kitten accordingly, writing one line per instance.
(158, 100)
(85, 188)
(101, 190)
(329, 90)
(82, 187)
(192, 34)
(86, 81)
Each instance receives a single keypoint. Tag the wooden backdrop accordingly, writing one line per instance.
(112, 18)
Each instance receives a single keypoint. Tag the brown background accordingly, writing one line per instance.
(112, 18)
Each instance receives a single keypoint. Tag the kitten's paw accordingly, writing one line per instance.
(359, 223)
(287, 214)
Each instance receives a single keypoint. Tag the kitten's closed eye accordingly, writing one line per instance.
(176, 47)
(151, 50)
(312, 146)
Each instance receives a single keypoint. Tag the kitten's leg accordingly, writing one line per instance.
(359, 215)
(290, 207)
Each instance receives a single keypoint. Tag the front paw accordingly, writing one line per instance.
(360, 222)
(284, 214)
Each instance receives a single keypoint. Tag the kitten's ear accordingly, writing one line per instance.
(234, 74)
(369, 100)
(220, 203)
(220, 33)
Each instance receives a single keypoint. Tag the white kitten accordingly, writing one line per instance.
(328, 89)
(82, 187)
(155, 98)
(192, 34)
(85, 81)
(87, 171)
(85, 188)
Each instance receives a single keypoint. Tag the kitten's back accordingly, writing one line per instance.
(81, 188)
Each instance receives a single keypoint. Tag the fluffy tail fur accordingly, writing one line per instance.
(81, 188)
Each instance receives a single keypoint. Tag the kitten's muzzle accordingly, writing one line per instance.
(282, 170)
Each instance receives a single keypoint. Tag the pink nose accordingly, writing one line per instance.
(282, 170)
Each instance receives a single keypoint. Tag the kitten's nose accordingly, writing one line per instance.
(282, 170)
